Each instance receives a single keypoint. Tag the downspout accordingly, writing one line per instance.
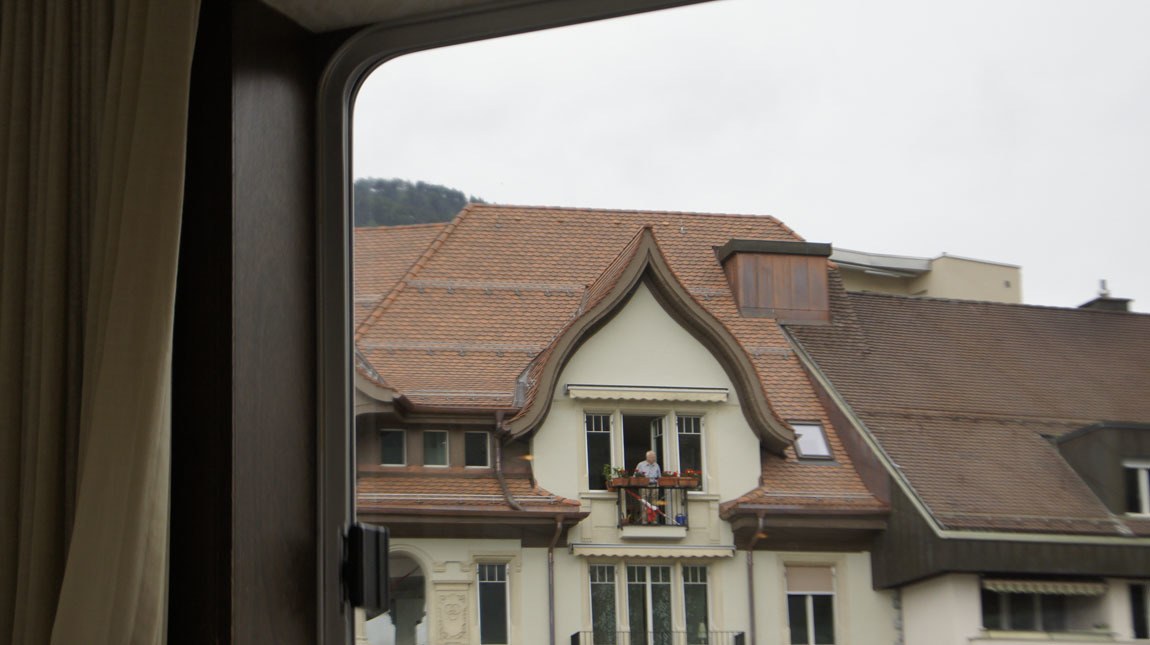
(499, 432)
(551, 579)
(751, 575)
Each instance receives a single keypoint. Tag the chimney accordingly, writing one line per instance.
(786, 281)
(1104, 302)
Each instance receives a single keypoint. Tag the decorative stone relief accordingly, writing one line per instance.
(451, 624)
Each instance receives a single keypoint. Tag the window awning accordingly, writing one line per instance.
(648, 393)
(1053, 587)
(651, 551)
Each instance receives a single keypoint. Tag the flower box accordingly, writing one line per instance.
(638, 481)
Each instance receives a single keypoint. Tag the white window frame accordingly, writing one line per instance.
(620, 605)
(611, 424)
(809, 601)
(446, 448)
(487, 449)
(403, 451)
(1036, 601)
(506, 599)
(682, 567)
(822, 431)
(1142, 467)
(670, 439)
(676, 617)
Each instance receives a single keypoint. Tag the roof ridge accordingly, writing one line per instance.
(395, 226)
(635, 211)
(419, 263)
(898, 296)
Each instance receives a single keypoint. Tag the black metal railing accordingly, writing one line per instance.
(658, 638)
(649, 505)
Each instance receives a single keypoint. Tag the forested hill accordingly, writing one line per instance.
(388, 202)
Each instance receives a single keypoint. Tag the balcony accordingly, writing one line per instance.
(658, 638)
(653, 510)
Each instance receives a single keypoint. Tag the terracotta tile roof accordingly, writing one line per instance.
(963, 395)
(492, 291)
(384, 493)
(381, 256)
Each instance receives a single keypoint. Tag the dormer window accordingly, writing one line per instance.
(434, 447)
(476, 453)
(811, 441)
(1137, 474)
(392, 447)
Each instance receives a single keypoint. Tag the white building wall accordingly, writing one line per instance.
(944, 610)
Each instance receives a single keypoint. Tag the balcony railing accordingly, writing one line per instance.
(642, 503)
(658, 638)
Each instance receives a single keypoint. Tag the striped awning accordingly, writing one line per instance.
(647, 393)
(1053, 587)
(650, 551)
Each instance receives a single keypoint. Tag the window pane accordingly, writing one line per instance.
(391, 448)
(810, 440)
(1053, 613)
(661, 605)
(603, 604)
(1133, 498)
(991, 610)
(598, 455)
(690, 452)
(492, 604)
(824, 610)
(637, 610)
(797, 615)
(695, 604)
(1139, 611)
(1022, 611)
(434, 448)
(475, 449)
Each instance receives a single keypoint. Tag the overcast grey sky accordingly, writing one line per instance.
(1015, 131)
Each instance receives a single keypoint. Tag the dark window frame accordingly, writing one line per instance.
(486, 449)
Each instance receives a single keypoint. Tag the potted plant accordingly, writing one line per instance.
(690, 478)
(614, 476)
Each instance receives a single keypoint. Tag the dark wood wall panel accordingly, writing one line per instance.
(274, 344)
(909, 551)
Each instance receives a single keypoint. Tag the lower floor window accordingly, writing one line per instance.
(1023, 611)
(649, 612)
(493, 604)
(811, 605)
(1140, 610)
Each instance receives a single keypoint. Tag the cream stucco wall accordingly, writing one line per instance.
(964, 279)
(944, 610)
(862, 616)
(643, 346)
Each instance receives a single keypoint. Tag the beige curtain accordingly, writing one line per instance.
(93, 109)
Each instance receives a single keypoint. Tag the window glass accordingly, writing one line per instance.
(475, 449)
(824, 618)
(603, 603)
(810, 441)
(991, 613)
(598, 428)
(690, 443)
(392, 447)
(1134, 502)
(695, 604)
(493, 604)
(797, 617)
(1140, 610)
(1053, 610)
(434, 448)
(637, 604)
(1021, 607)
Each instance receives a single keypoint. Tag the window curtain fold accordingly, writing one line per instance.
(93, 113)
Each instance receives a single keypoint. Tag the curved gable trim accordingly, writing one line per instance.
(648, 266)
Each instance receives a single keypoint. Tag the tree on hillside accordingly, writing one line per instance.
(388, 202)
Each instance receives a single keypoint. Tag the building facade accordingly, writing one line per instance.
(515, 366)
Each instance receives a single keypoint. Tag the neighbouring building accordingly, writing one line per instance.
(840, 474)
(947, 276)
